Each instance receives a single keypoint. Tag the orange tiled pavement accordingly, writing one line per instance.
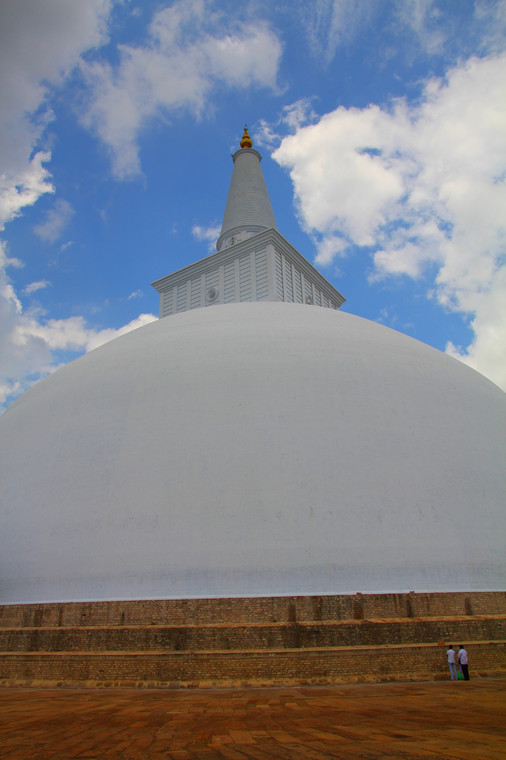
(454, 721)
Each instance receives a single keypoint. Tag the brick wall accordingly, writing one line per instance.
(259, 641)
(243, 637)
(345, 664)
(255, 610)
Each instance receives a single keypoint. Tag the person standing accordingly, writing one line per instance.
(451, 663)
(463, 662)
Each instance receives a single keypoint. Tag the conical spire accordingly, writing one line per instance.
(248, 211)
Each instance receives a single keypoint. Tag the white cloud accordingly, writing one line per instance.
(30, 348)
(424, 19)
(73, 333)
(30, 345)
(209, 234)
(55, 221)
(299, 114)
(23, 186)
(39, 43)
(190, 50)
(135, 294)
(295, 115)
(409, 28)
(341, 185)
(330, 24)
(487, 352)
(490, 15)
(419, 185)
(33, 287)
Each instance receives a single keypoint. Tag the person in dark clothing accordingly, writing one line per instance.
(463, 662)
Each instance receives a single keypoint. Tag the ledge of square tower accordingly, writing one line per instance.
(265, 267)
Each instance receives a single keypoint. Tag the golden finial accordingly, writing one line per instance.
(246, 141)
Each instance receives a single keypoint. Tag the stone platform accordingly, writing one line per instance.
(402, 721)
(250, 641)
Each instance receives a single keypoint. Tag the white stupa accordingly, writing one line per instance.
(253, 441)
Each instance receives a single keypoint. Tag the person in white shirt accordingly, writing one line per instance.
(463, 662)
(451, 664)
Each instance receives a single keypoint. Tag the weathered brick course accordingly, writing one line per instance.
(255, 609)
(229, 668)
(244, 637)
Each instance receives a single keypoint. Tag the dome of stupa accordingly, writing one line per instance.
(255, 441)
(254, 449)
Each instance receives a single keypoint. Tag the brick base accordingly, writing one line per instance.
(226, 642)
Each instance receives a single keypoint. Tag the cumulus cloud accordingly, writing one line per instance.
(423, 188)
(40, 43)
(190, 50)
(55, 221)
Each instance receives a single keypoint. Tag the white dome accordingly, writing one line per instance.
(254, 449)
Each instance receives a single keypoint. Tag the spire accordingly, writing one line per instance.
(253, 261)
(246, 141)
(248, 211)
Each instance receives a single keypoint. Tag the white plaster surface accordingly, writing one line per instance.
(251, 449)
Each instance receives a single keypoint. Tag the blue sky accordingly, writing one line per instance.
(382, 127)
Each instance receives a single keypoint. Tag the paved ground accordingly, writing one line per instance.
(450, 720)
